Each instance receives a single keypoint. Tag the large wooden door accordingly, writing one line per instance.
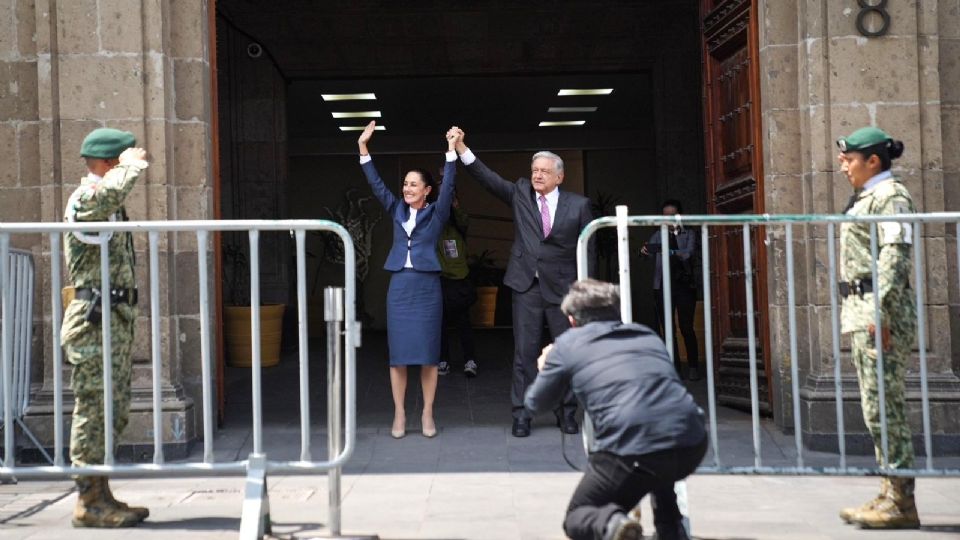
(734, 179)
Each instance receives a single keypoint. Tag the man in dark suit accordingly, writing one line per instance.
(542, 265)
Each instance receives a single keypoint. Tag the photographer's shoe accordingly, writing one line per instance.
(620, 527)
(470, 369)
(521, 427)
(443, 367)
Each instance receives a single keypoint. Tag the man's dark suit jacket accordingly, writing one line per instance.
(554, 257)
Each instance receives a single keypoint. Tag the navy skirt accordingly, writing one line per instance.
(414, 316)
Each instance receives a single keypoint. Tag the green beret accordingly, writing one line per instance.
(106, 143)
(862, 138)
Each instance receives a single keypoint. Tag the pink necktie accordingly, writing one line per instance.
(545, 216)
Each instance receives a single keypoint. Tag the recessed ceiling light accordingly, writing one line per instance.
(358, 114)
(361, 128)
(571, 109)
(347, 97)
(584, 91)
(563, 123)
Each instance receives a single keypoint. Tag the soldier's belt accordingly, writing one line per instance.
(117, 296)
(858, 287)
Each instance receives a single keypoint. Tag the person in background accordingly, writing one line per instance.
(458, 291)
(414, 300)
(683, 286)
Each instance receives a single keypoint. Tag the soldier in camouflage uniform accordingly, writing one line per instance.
(865, 158)
(114, 166)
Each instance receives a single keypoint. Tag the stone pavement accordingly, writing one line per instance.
(473, 481)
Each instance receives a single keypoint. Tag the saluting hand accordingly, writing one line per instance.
(133, 154)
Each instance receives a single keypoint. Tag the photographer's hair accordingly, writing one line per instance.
(558, 162)
(591, 300)
(674, 203)
(886, 151)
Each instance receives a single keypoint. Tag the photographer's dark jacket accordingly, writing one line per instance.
(683, 249)
(624, 379)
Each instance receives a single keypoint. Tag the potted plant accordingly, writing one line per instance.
(485, 276)
(237, 332)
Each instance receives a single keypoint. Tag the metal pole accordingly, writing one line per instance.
(878, 342)
(792, 323)
(56, 317)
(333, 314)
(835, 329)
(708, 340)
(301, 239)
(106, 319)
(920, 286)
(255, 345)
(153, 238)
(751, 343)
(623, 255)
(7, 351)
(206, 366)
(666, 285)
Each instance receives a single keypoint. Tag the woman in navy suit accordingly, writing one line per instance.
(414, 299)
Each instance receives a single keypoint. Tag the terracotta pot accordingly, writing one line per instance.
(483, 310)
(239, 340)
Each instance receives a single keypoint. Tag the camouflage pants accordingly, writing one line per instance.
(900, 444)
(84, 352)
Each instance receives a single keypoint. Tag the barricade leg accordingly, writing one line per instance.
(255, 520)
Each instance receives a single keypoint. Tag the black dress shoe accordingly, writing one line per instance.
(521, 427)
(568, 424)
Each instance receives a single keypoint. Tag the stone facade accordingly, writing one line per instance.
(142, 66)
(820, 79)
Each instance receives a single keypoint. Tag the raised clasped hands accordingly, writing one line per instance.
(453, 137)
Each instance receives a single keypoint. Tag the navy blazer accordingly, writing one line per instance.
(431, 220)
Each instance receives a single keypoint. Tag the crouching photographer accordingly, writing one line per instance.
(649, 431)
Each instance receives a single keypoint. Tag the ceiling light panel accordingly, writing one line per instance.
(348, 97)
(563, 123)
(358, 114)
(571, 109)
(585, 91)
(361, 128)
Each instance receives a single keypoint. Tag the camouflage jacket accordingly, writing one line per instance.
(101, 199)
(894, 242)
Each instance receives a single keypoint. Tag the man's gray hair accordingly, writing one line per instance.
(592, 300)
(557, 160)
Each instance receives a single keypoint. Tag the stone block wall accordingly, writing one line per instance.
(821, 79)
(138, 65)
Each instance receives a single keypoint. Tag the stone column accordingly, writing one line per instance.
(142, 66)
(820, 80)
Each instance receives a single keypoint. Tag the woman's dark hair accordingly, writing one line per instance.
(886, 151)
(674, 203)
(427, 180)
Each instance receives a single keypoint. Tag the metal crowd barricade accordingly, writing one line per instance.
(622, 221)
(343, 337)
(20, 278)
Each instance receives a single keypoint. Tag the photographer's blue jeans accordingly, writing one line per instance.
(614, 484)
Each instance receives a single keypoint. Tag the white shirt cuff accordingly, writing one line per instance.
(468, 157)
(365, 159)
(451, 156)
